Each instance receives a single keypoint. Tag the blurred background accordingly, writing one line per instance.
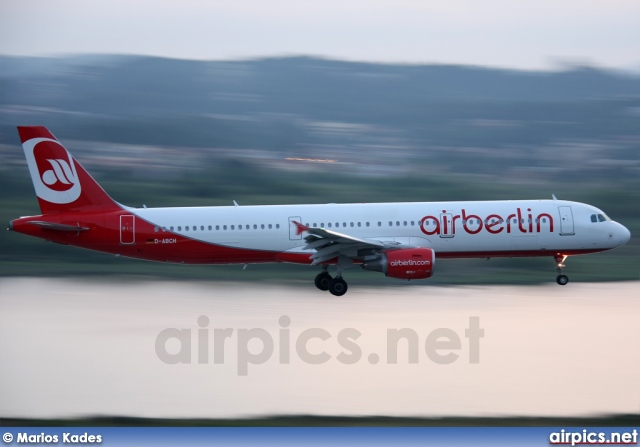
(167, 132)
(195, 103)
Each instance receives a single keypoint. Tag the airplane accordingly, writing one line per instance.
(401, 240)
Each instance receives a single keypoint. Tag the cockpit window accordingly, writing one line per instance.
(600, 217)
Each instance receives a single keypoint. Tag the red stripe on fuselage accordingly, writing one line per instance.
(512, 253)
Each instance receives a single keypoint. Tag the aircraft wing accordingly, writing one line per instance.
(330, 244)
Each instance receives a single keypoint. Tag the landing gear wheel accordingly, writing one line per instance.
(338, 286)
(322, 281)
(562, 280)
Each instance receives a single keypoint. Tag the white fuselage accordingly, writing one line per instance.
(452, 229)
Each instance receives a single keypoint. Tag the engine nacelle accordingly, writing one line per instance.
(407, 263)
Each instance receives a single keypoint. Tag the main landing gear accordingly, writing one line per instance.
(563, 280)
(336, 286)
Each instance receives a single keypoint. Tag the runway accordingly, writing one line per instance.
(79, 347)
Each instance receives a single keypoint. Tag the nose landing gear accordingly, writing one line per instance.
(561, 279)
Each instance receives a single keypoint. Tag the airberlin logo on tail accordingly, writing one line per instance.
(52, 170)
(60, 177)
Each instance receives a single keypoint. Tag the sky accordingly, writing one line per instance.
(523, 34)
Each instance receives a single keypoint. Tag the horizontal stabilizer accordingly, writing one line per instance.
(57, 226)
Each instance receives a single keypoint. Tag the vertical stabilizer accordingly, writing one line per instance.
(61, 183)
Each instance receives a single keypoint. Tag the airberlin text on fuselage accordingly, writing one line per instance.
(409, 262)
(518, 222)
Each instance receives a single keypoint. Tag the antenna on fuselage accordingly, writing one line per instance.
(235, 203)
(553, 196)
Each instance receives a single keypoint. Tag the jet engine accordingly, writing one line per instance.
(407, 263)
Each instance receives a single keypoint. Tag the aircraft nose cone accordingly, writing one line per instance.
(625, 234)
(622, 234)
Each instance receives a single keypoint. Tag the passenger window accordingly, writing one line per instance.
(271, 226)
(217, 227)
(224, 227)
(179, 228)
(255, 227)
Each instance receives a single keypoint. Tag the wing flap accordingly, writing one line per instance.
(329, 244)
(321, 236)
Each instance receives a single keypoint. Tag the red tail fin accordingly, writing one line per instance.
(61, 183)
